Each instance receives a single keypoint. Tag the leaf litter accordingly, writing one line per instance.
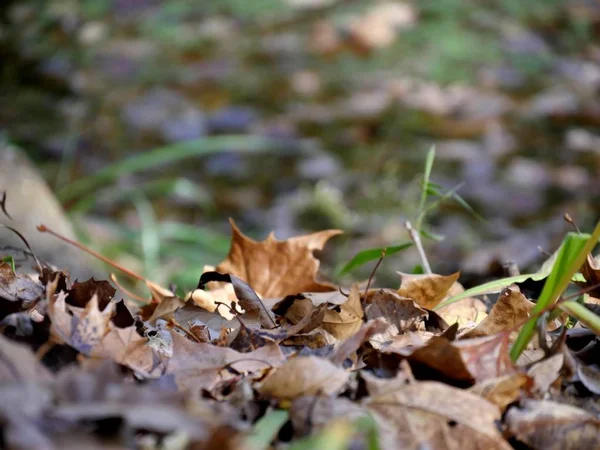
(265, 335)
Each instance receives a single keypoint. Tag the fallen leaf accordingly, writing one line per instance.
(18, 364)
(344, 320)
(82, 329)
(20, 292)
(501, 391)
(353, 343)
(81, 293)
(486, 357)
(511, 309)
(302, 376)
(401, 313)
(589, 377)
(426, 290)
(248, 299)
(275, 268)
(441, 356)
(548, 425)
(437, 416)
(544, 373)
(198, 366)
(466, 312)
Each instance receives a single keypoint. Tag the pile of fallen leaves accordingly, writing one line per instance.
(263, 337)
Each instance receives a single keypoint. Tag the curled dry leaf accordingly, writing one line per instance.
(20, 289)
(511, 309)
(344, 320)
(549, 425)
(302, 376)
(248, 299)
(353, 343)
(275, 268)
(589, 377)
(427, 290)
(437, 416)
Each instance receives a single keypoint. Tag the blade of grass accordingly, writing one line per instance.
(180, 187)
(429, 159)
(572, 254)
(171, 154)
(149, 237)
(491, 287)
(496, 286)
(266, 429)
(371, 254)
(582, 313)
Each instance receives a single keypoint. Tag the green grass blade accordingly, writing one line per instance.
(429, 159)
(490, 287)
(150, 240)
(171, 154)
(371, 254)
(572, 254)
(266, 429)
(113, 195)
(583, 314)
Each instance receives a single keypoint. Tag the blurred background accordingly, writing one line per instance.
(156, 120)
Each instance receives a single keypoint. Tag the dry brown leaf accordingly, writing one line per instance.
(304, 375)
(19, 289)
(486, 357)
(544, 373)
(199, 366)
(353, 343)
(82, 329)
(437, 416)
(589, 377)
(275, 268)
(402, 314)
(344, 320)
(466, 312)
(511, 309)
(501, 391)
(125, 346)
(553, 426)
(427, 290)
(443, 357)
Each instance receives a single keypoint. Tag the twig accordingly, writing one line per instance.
(3, 205)
(414, 236)
(80, 246)
(374, 270)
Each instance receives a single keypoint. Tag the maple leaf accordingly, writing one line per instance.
(276, 268)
